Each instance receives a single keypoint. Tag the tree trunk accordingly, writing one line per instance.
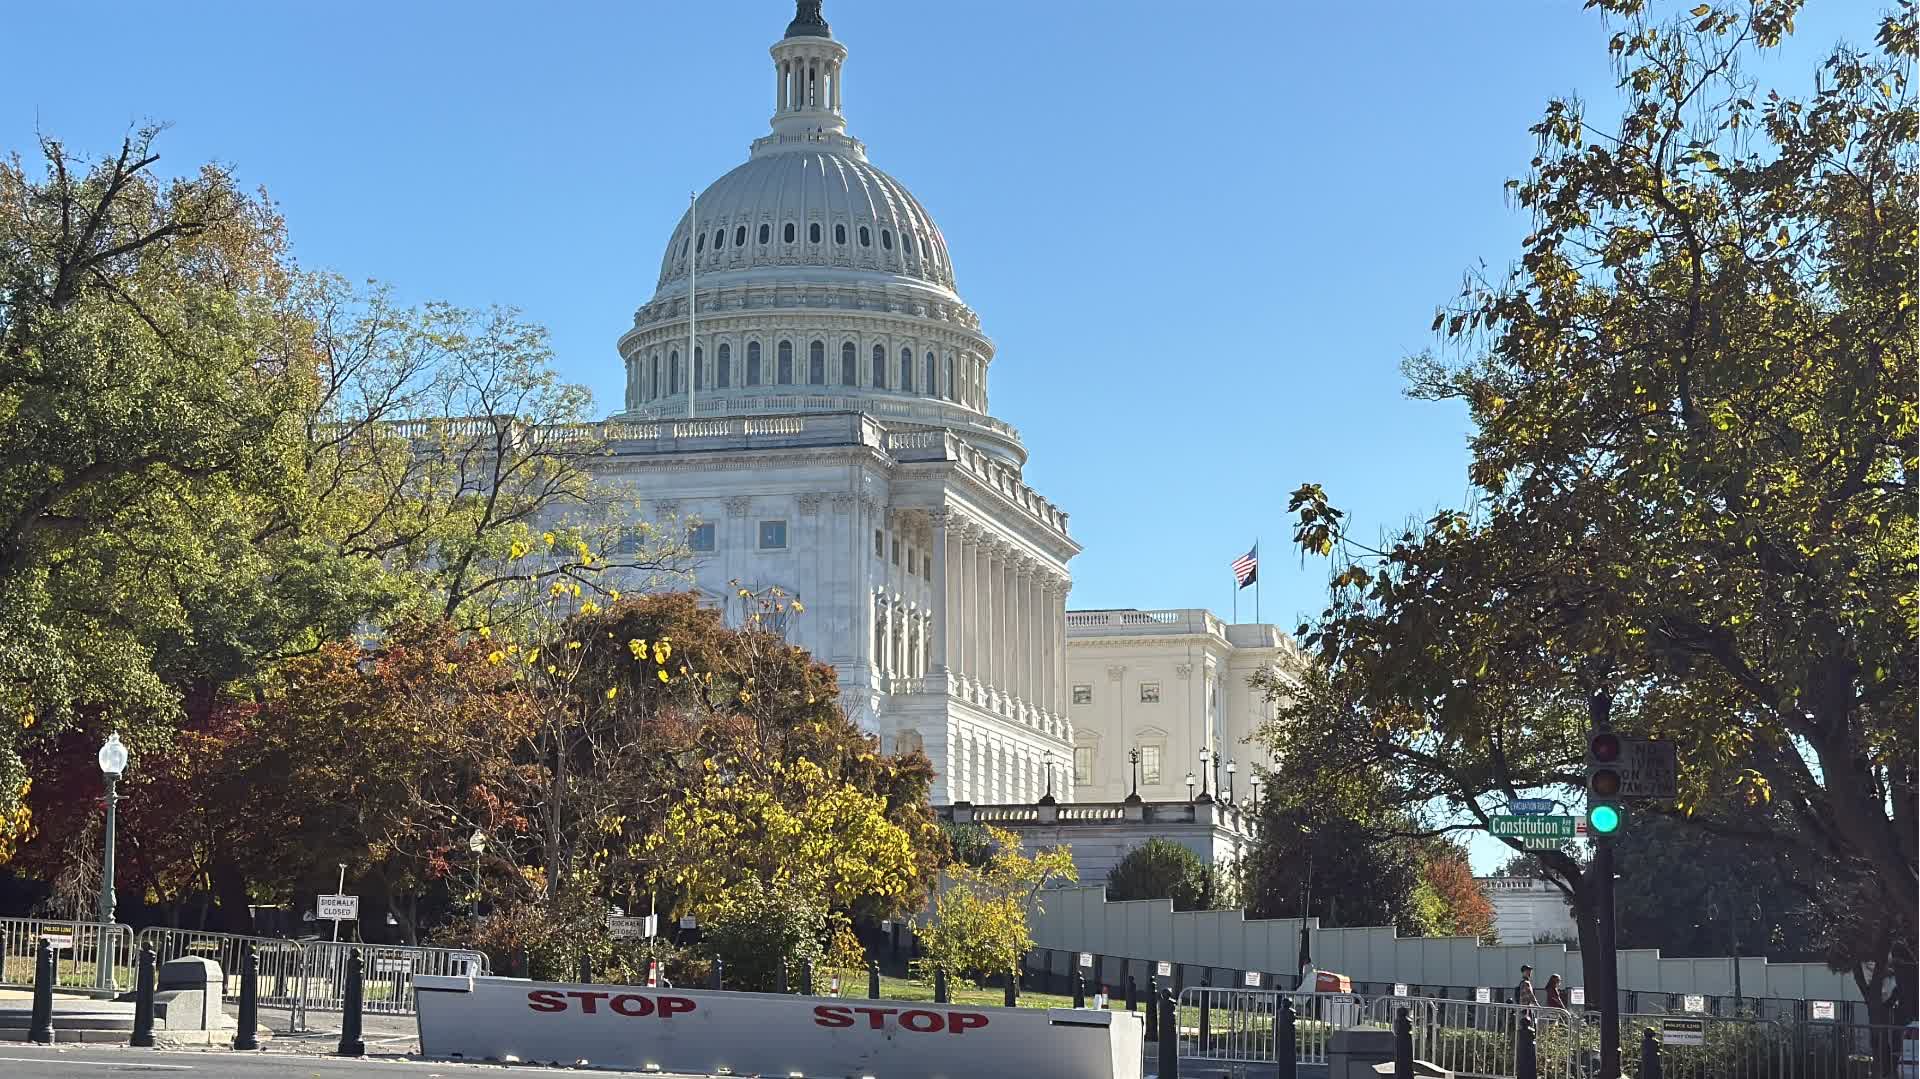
(230, 886)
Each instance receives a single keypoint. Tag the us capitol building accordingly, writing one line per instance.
(826, 431)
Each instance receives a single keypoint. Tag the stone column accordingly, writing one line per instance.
(996, 614)
(940, 648)
(1029, 638)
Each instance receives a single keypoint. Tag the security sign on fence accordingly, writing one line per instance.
(633, 1027)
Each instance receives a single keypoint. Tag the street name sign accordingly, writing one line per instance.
(1531, 806)
(338, 908)
(1536, 832)
(1684, 1032)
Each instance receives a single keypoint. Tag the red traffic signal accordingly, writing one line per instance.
(1604, 747)
(1604, 782)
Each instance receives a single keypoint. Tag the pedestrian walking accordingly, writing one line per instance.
(1523, 993)
(1552, 992)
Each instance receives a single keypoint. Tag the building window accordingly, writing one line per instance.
(886, 239)
(906, 369)
(673, 372)
(879, 367)
(785, 365)
(723, 376)
(948, 393)
(906, 242)
(933, 376)
(719, 238)
(926, 568)
(766, 233)
(911, 563)
(1150, 765)
(817, 364)
(1082, 694)
(879, 544)
(700, 537)
(813, 233)
(896, 552)
(789, 232)
(653, 383)
(1149, 693)
(849, 365)
(700, 243)
(773, 535)
(1082, 764)
(740, 236)
(753, 363)
(840, 235)
(866, 238)
(699, 368)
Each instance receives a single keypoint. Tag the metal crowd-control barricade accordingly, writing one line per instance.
(95, 956)
(1225, 1025)
(1481, 1040)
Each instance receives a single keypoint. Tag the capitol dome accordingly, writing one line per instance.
(822, 284)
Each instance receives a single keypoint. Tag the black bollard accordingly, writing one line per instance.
(143, 999)
(1402, 1045)
(940, 985)
(1133, 1003)
(806, 978)
(1153, 1008)
(1526, 1051)
(1288, 1051)
(41, 1030)
(719, 973)
(350, 1043)
(780, 982)
(1649, 1056)
(1206, 1014)
(1169, 1036)
(873, 979)
(246, 1034)
(1011, 997)
(1079, 990)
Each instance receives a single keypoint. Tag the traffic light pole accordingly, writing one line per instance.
(1600, 711)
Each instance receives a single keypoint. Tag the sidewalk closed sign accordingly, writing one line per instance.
(338, 908)
(641, 1029)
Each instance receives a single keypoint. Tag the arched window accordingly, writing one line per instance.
(879, 367)
(699, 368)
(673, 372)
(789, 232)
(906, 369)
(683, 246)
(849, 365)
(753, 363)
(700, 243)
(740, 236)
(813, 233)
(840, 235)
(784, 367)
(719, 238)
(933, 376)
(866, 238)
(653, 380)
(817, 364)
(766, 233)
(723, 373)
(906, 242)
(886, 239)
(948, 395)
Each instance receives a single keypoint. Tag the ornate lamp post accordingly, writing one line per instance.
(1206, 757)
(1133, 758)
(1189, 786)
(113, 761)
(1229, 780)
(1047, 799)
(477, 844)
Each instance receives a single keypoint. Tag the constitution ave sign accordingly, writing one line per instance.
(632, 1027)
(1536, 832)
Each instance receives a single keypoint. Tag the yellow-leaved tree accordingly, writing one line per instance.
(979, 923)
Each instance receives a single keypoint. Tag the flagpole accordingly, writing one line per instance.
(1236, 599)
(693, 258)
(1256, 580)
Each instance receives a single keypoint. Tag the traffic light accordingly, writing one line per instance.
(1604, 814)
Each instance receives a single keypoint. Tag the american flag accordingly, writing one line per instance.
(1246, 568)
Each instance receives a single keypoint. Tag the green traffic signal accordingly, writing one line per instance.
(1603, 819)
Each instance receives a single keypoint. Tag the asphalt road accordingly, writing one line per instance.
(21, 1061)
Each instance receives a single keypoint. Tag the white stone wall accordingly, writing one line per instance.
(1525, 909)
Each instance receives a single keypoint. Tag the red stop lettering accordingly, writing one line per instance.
(876, 1017)
(672, 1006)
(631, 1004)
(921, 1022)
(546, 1000)
(832, 1015)
(959, 1022)
(589, 999)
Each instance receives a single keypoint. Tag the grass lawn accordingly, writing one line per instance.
(990, 996)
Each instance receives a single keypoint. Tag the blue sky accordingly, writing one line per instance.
(1203, 236)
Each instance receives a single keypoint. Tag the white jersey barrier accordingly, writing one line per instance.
(635, 1027)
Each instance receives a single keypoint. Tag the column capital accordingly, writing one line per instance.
(739, 506)
(941, 518)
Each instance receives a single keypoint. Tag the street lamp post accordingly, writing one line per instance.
(113, 761)
(477, 843)
(1048, 799)
(1133, 758)
(1189, 786)
(1206, 755)
(1229, 780)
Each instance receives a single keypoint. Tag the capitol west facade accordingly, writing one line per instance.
(840, 446)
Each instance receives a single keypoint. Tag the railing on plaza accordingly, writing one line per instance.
(91, 956)
(1474, 1039)
(1242, 1026)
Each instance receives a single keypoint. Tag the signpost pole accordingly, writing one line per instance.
(1600, 711)
(341, 890)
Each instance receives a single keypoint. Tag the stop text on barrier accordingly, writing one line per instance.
(917, 1020)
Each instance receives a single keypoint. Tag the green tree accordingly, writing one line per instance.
(1160, 869)
(1694, 455)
